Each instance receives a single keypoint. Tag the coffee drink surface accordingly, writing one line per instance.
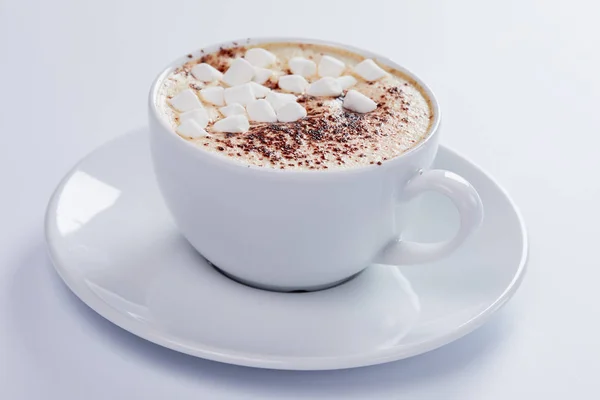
(331, 135)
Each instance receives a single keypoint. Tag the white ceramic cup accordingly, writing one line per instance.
(302, 230)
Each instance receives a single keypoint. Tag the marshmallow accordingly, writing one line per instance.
(369, 71)
(303, 67)
(213, 95)
(233, 109)
(190, 128)
(199, 115)
(291, 112)
(233, 124)
(261, 111)
(327, 86)
(185, 101)
(240, 71)
(347, 81)
(329, 66)
(278, 100)
(261, 75)
(259, 91)
(358, 102)
(293, 83)
(206, 73)
(260, 57)
(241, 94)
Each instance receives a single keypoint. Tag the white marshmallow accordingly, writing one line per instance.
(241, 94)
(206, 73)
(261, 75)
(213, 95)
(260, 57)
(293, 83)
(303, 67)
(369, 71)
(291, 112)
(190, 128)
(329, 66)
(261, 111)
(185, 101)
(327, 86)
(259, 91)
(233, 124)
(278, 100)
(358, 102)
(240, 71)
(199, 115)
(233, 109)
(347, 81)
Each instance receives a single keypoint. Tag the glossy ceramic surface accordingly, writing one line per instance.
(113, 242)
(257, 223)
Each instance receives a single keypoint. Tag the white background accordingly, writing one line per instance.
(519, 83)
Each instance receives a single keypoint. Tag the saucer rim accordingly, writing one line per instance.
(282, 362)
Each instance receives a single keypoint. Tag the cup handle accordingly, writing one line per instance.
(465, 199)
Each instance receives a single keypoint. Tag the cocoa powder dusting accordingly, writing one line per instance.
(328, 137)
(309, 141)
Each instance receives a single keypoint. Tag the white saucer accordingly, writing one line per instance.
(113, 243)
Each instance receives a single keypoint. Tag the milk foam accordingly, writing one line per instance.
(330, 136)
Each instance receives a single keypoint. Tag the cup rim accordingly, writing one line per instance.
(153, 109)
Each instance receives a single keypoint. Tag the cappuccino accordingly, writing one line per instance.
(295, 106)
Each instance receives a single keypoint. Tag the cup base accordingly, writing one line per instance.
(284, 289)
